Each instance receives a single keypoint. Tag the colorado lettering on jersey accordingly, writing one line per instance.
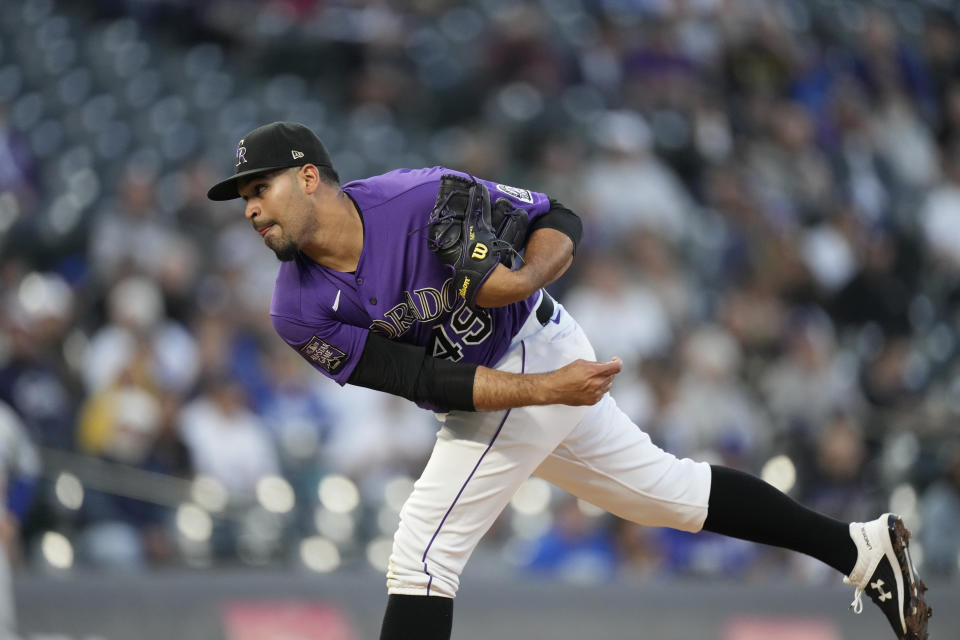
(423, 305)
(463, 326)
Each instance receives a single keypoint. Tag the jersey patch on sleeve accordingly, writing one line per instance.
(324, 355)
(523, 195)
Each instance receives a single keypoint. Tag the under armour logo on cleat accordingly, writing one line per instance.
(884, 595)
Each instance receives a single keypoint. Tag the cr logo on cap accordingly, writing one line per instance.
(241, 153)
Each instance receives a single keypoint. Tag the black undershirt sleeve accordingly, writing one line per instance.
(561, 219)
(408, 371)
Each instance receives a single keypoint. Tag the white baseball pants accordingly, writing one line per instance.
(481, 458)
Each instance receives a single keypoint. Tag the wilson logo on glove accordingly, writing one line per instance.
(461, 216)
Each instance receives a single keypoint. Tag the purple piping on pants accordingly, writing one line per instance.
(423, 559)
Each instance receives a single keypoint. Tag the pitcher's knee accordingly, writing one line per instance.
(416, 577)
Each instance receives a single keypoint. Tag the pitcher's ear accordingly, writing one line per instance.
(309, 177)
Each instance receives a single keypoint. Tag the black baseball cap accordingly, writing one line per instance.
(273, 146)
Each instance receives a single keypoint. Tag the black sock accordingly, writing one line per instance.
(743, 506)
(417, 618)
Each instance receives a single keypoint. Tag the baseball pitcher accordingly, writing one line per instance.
(428, 284)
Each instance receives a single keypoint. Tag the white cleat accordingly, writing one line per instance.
(885, 572)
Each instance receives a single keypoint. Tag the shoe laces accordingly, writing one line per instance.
(857, 604)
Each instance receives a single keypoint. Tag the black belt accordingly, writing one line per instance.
(545, 308)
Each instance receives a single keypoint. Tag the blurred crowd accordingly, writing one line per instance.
(770, 192)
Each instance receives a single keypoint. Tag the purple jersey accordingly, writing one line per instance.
(400, 289)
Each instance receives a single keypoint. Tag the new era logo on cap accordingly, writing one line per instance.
(273, 146)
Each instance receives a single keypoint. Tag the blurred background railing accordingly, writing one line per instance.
(771, 199)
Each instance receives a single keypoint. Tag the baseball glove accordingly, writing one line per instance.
(462, 234)
(510, 227)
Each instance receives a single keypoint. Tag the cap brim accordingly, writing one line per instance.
(227, 189)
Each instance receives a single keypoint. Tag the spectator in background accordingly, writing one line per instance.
(704, 554)
(137, 320)
(885, 377)
(949, 123)
(712, 416)
(607, 291)
(477, 147)
(940, 511)
(832, 476)
(758, 59)
(230, 445)
(557, 169)
(576, 548)
(754, 314)
(19, 472)
(732, 235)
(226, 440)
(628, 188)
(522, 49)
(938, 215)
(300, 420)
(789, 171)
(17, 175)
(863, 175)
(880, 290)
(225, 344)
(238, 287)
(889, 65)
(195, 217)
(37, 312)
(376, 435)
(828, 256)
(811, 380)
(176, 278)
(121, 421)
(124, 423)
(130, 234)
(295, 411)
(835, 473)
(661, 271)
(941, 49)
(906, 143)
